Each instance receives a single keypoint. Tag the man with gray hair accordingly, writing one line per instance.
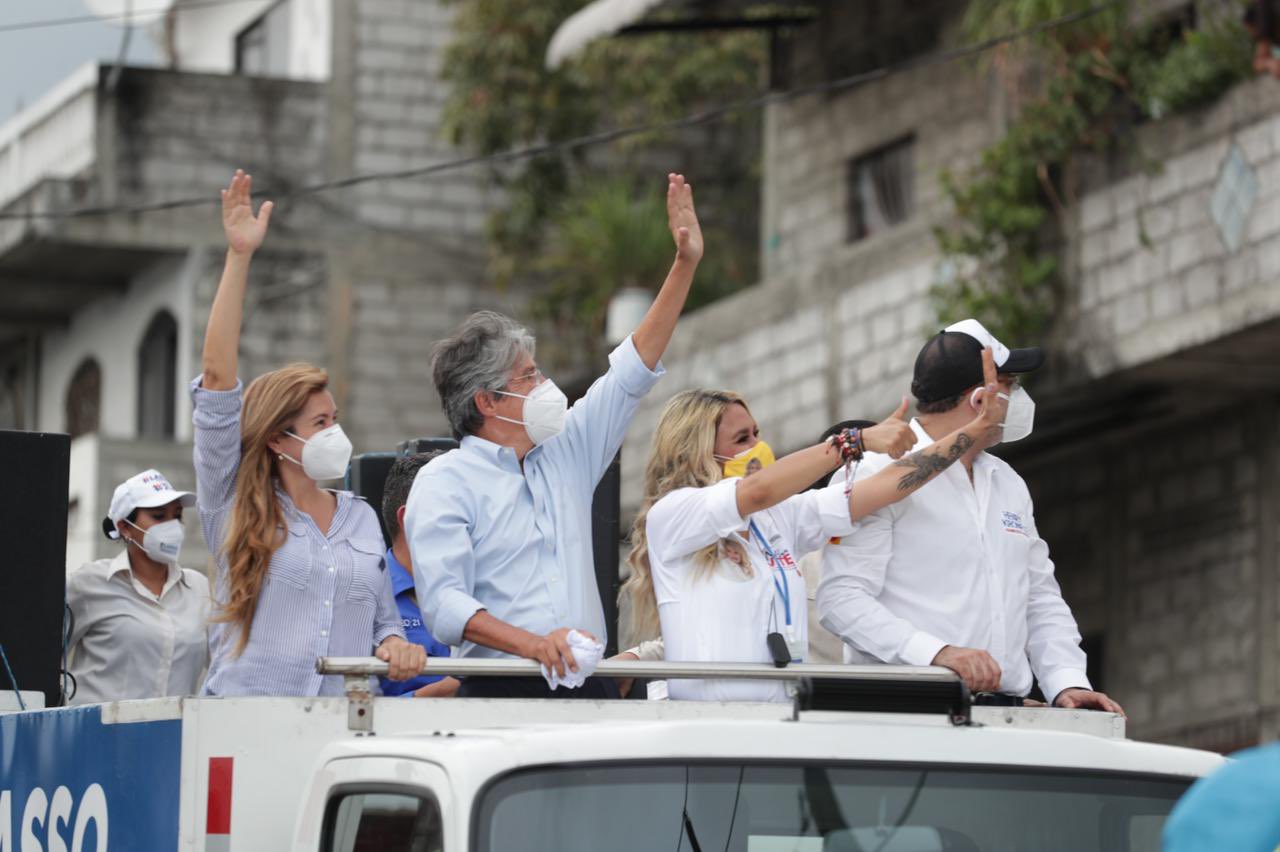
(500, 530)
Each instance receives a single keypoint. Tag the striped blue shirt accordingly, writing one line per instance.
(486, 533)
(324, 595)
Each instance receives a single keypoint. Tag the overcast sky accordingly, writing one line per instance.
(33, 61)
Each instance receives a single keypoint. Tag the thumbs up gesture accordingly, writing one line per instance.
(893, 437)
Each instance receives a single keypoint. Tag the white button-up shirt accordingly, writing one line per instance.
(486, 533)
(326, 594)
(128, 642)
(956, 563)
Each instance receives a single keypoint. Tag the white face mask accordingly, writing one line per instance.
(161, 542)
(544, 411)
(1020, 417)
(325, 455)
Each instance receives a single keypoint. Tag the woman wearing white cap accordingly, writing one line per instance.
(299, 570)
(138, 619)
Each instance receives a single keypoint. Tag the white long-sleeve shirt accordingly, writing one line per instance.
(720, 613)
(956, 563)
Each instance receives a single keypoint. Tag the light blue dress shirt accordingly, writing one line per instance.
(325, 593)
(485, 534)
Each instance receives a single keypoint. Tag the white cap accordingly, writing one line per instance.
(145, 490)
(1007, 360)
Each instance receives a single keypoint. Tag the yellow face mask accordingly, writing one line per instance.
(748, 461)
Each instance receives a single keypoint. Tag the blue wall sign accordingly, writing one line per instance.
(69, 783)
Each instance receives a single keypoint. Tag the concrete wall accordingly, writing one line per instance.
(951, 111)
(397, 56)
(110, 331)
(204, 36)
(1153, 273)
(1167, 554)
(418, 266)
(166, 135)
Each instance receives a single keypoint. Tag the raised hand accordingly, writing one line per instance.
(992, 404)
(683, 219)
(893, 436)
(245, 232)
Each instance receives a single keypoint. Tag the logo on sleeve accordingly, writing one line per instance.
(1012, 522)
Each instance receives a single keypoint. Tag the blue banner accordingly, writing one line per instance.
(70, 783)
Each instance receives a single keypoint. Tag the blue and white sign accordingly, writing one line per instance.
(69, 783)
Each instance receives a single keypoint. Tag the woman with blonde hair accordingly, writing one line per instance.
(299, 572)
(715, 548)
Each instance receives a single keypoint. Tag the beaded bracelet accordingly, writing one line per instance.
(848, 445)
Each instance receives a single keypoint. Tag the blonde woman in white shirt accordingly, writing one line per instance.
(715, 554)
(139, 619)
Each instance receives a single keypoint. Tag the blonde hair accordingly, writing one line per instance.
(682, 456)
(272, 403)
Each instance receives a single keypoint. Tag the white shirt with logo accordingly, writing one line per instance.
(956, 563)
(128, 642)
(719, 612)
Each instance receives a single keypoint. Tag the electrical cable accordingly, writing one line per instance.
(120, 17)
(599, 138)
(733, 817)
(13, 682)
(68, 630)
(906, 812)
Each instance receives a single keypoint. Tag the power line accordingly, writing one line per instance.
(127, 17)
(602, 137)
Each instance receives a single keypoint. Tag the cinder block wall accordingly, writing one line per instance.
(1167, 553)
(1151, 270)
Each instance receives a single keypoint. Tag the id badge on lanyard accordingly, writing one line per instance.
(790, 632)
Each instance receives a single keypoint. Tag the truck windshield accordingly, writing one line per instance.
(781, 807)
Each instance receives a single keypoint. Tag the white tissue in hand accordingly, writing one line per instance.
(586, 652)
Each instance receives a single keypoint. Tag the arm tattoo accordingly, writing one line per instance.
(927, 464)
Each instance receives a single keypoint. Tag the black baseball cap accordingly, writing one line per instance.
(951, 362)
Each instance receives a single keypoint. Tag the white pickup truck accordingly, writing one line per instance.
(874, 759)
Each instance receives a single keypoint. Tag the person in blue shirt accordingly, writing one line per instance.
(500, 529)
(394, 495)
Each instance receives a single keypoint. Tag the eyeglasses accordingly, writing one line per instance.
(530, 377)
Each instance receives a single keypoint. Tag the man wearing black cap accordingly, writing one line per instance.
(955, 575)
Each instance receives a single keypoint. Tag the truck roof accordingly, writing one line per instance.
(482, 738)
(842, 713)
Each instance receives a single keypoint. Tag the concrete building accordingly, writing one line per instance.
(1154, 462)
(102, 317)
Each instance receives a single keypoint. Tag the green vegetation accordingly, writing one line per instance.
(1079, 89)
(580, 224)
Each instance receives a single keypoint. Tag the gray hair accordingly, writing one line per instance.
(478, 357)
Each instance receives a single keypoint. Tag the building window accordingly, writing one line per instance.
(881, 187)
(84, 399)
(157, 377)
(262, 48)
